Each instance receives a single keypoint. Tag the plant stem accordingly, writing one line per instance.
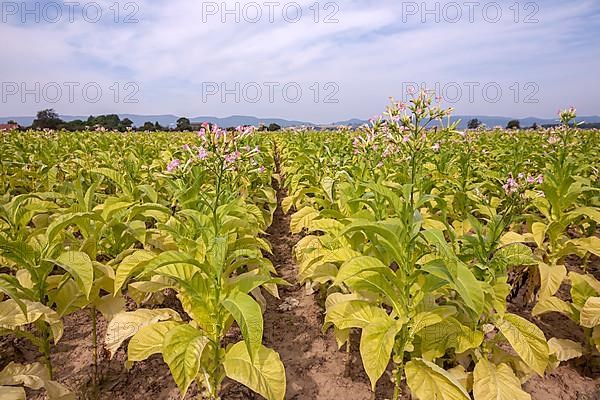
(45, 346)
(398, 381)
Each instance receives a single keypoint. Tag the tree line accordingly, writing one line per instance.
(49, 119)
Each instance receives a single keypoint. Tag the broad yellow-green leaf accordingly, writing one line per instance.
(129, 266)
(264, 373)
(12, 317)
(80, 266)
(583, 287)
(302, 219)
(513, 255)
(565, 349)
(427, 381)
(527, 339)
(376, 344)
(551, 278)
(427, 318)
(462, 376)
(512, 237)
(496, 382)
(12, 393)
(538, 229)
(248, 314)
(182, 351)
(69, 298)
(110, 306)
(126, 324)
(353, 314)
(553, 304)
(31, 375)
(590, 244)
(56, 391)
(462, 279)
(149, 340)
(590, 313)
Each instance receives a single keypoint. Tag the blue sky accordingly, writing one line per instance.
(180, 57)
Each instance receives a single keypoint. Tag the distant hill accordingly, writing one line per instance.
(167, 120)
(490, 121)
(237, 120)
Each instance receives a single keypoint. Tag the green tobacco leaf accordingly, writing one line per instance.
(590, 313)
(149, 340)
(515, 254)
(31, 375)
(126, 324)
(528, 341)
(376, 344)
(539, 231)
(583, 287)
(182, 351)
(551, 278)
(460, 277)
(353, 314)
(12, 393)
(69, 298)
(302, 219)
(248, 315)
(264, 374)
(129, 266)
(65, 220)
(427, 381)
(565, 349)
(553, 304)
(427, 318)
(12, 317)
(80, 266)
(493, 382)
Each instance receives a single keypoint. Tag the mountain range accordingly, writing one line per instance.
(237, 120)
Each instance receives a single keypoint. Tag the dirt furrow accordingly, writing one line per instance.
(314, 365)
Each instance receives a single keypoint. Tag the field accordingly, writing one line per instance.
(405, 259)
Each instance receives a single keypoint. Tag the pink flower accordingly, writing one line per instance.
(262, 169)
(540, 179)
(173, 165)
(186, 147)
(202, 133)
(405, 139)
(202, 153)
(553, 139)
(436, 147)
(511, 186)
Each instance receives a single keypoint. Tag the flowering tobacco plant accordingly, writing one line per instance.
(217, 267)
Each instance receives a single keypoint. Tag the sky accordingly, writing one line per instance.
(304, 60)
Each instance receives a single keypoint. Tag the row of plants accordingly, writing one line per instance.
(89, 222)
(414, 232)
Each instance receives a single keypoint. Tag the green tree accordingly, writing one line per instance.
(514, 124)
(274, 127)
(47, 119)
(474, 124)
(183, 124)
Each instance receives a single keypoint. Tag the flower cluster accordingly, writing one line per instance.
(220, 146)
(520, 183)
(568, 116)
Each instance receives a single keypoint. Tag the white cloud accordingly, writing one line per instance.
(368, 54)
